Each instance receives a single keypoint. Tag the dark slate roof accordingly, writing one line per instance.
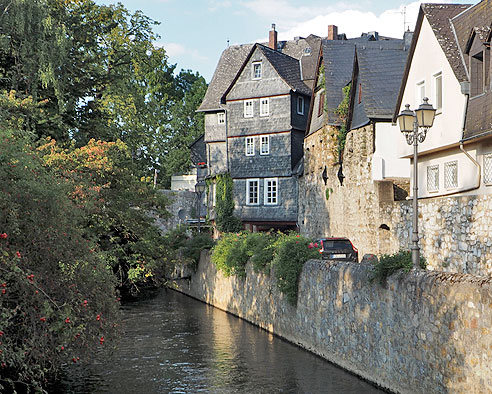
(439, 16)
(233, 58)
(476, 19)
(229, 63)
(380, 72)
(338, 60)
(287, 67)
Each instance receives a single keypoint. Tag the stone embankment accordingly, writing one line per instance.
(423, 332)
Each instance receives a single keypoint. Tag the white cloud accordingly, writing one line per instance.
(352, 22)
(174, 50)
(215, 5)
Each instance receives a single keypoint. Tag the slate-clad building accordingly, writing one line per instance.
(255, 118)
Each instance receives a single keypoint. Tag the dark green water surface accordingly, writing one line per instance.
(175, 344)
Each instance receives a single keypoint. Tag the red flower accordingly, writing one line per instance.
(67, 320)
(3, 236)
(4, 284)
(43, 319)
(310, 246)
(98, 317)
(30, 277)
(18, 254)
(101, 340)
(1, 333)
(74, 360)
(85, 303)
(4, 291)
(62, 347)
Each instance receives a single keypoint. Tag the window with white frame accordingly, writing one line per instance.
(221, 118)
(265, 145)
(252, 191)
(433, 178)
(438, 91)
(487, 168)
(419, 93)
(248, 108)
(250, 146)
(271, 191)
(451, 174)
(300, 105)
(264, 107)
(256, 70)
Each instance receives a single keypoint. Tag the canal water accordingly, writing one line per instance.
(175, 344)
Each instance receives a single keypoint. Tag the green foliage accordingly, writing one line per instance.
(57, 294)
(260, 250)
(224, 205)
(291, 252)
(230, 254)
(194, 245)
(285, 253)
(389, 264)
(342, 112)
(328, 192)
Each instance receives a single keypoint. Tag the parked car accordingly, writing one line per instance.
(340, 249)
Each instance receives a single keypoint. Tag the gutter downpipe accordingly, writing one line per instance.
(479, 169)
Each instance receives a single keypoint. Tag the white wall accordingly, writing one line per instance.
(183, 182)
(386, 162)
(428, 60)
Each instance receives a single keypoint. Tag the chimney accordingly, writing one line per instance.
(332, 32)
(272, 42)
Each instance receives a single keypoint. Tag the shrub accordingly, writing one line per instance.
(260, 250)
(193, 246)
(291, 252)
(389, 264)
(230, 254)
(57, 293)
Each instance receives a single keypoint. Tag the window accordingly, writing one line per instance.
(221, 118)
(248, 109)
(264, 107)
(476, 74)
(438, 91)
(433, 178)
(250, 146)
(487, 168)
(451, 174)
(265, 145)
(419, 93)
(271, 191)
(256, 70)
(300, 105)
(252, 191)
(321, 103)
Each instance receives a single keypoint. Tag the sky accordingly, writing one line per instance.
(195, 32)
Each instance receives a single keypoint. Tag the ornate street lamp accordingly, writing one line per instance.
(415, 126)
(200, 187)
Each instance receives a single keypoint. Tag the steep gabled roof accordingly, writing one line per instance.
(439, 17)
(338, 60)
(287, 67)
(230, 61)
(380, 72)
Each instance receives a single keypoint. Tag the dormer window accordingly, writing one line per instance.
(476, 74)
(257, 70)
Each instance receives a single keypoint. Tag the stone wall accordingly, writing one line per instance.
(425, 332)
(455, 232)
(355, 209)
(183, 206)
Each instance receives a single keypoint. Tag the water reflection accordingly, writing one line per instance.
(174, 344)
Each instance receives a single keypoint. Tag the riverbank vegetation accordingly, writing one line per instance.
(90, 110)
(283, 255)
(388, 264)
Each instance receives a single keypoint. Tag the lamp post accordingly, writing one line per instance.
(414, 125)
(199, 189)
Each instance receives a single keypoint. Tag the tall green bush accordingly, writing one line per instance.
(224, 205)
(230, 254)
(291, 252)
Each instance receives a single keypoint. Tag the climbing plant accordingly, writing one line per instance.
(342, 112)
(224, 205)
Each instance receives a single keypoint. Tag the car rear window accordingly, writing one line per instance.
(337, 244)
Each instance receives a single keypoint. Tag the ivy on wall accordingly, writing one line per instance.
(342, 112)
(224, 205)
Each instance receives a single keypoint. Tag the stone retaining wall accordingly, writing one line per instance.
(425, 332)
